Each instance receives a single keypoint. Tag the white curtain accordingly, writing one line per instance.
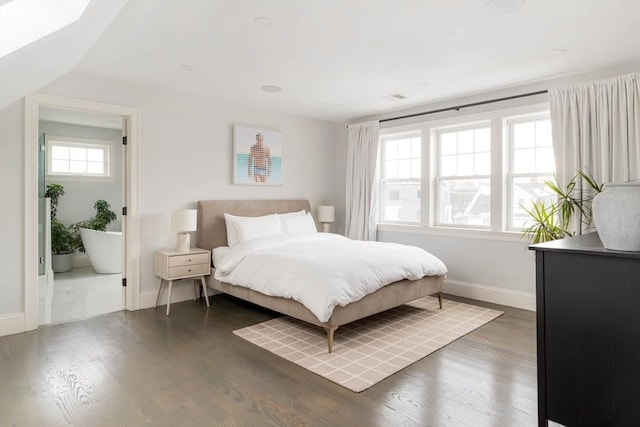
(596, 129)
(361, 192)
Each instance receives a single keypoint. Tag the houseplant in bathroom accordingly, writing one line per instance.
(63, 240)
(99, 222)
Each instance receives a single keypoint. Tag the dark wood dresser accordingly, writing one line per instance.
(588, 331)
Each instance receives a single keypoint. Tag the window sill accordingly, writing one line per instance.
(505, 236)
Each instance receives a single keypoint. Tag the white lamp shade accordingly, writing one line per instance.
(183, 220)
(326, 213)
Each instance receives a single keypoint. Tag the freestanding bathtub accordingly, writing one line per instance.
(104, 249)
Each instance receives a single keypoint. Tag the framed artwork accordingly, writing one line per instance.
(257, 156)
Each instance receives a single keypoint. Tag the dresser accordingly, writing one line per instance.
(170, 265)
(588, 333)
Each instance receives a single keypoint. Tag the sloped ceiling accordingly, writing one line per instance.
(335, 60)
(32, 67)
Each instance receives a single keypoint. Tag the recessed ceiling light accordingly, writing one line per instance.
(503, 7)
(556, 52)
(262, 20)
(271, 88)
(184, 67)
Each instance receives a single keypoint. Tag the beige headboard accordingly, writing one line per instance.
(212, 231)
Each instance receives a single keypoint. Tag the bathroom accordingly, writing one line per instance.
(81, 155)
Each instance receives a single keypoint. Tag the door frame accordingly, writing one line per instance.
(131, 190)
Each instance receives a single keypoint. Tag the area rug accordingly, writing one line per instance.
(369, 350)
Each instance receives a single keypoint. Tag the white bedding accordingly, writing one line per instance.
(322, 270)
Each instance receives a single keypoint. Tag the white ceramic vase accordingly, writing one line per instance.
(616, 213)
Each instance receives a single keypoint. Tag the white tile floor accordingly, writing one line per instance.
(78, 294)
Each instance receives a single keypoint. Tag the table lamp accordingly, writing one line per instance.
(326, 215)
(182, 222)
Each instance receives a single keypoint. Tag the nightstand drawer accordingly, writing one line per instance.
(190, 259)
(189, 270)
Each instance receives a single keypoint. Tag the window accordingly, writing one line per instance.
(468, 174)
(76, 157)
(531, 162)
(400, 173)
(463, 181)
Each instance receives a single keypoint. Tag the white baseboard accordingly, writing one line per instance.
(182, 291)
(518, 299)
(11, 324)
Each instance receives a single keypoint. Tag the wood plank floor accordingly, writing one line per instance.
(143, 368)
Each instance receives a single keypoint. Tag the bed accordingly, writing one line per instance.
(212, 233)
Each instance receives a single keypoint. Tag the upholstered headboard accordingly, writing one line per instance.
(212, 231)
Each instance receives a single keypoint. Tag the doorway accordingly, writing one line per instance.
(50, 120)
(81, 177)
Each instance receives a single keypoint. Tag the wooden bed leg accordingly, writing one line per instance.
(440, 300)
(330, 332)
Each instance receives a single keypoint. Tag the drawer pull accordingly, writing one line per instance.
(189, 259)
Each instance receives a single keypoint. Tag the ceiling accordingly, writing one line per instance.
(338, 60)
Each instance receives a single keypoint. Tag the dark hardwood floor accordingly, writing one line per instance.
(143, 368)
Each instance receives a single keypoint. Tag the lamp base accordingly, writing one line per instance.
(184, 242)
(326, 227)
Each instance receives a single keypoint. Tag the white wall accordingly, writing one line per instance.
(186, 155)
(11, 211)
(500, 271)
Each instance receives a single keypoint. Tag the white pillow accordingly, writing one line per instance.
(231, 222)
(298, 224)
(249, 228)
(297, 213)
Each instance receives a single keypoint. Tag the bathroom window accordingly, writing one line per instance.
(78, 158)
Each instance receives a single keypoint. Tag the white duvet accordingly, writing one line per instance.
(322, 270)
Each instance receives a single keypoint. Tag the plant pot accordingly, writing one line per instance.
(62, 263)
(616, 213)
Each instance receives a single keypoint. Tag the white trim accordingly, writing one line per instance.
(132, 240)
(518, 299)
(11, 324)
(524, 300)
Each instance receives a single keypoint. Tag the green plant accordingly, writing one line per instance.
(54, 192)
(554, 221)
(104, 215)
(63, 240)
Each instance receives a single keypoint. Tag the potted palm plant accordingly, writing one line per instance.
(571, 210)
(63, 240)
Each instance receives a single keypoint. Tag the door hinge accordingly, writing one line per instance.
(124, 282)
(124, 140)
(124, 211)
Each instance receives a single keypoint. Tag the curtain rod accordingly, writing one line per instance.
(473, 104)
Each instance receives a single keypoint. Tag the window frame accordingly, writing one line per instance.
(386, 137)
(509, 121)
(88, 143)
(438, 178)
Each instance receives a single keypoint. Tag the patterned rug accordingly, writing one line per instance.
(369, 350)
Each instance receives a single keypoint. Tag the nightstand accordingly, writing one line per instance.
(170, 265)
